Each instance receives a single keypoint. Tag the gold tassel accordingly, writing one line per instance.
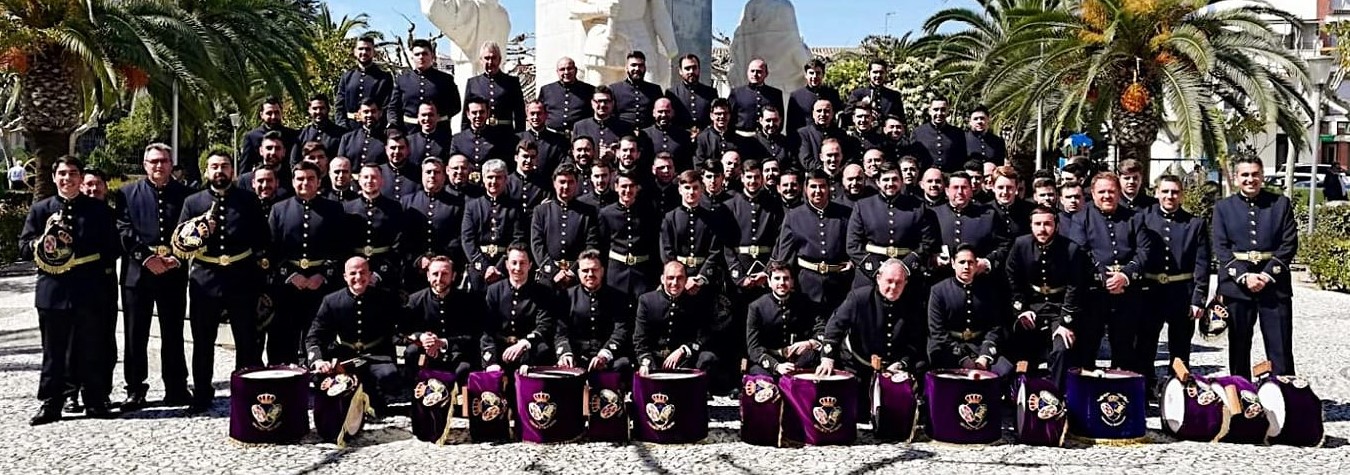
(449, 415)
(360, 401)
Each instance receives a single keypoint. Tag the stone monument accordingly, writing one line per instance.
(768, 30)
(468, 24)
(693, 34)
(598, 34)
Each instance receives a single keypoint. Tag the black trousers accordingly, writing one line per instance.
(1277, 332)
(1036, 346)
(138, 306)
(805, 361)
(826, 289)
(461, 364)
(1171, 305)
(1120, 317)
(295, 310)
(207, 313)
(75, 346)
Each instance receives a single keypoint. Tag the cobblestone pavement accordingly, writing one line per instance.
(167, 441)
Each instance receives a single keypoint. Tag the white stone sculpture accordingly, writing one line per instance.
(768, 30)
(612, 28)
(468, 24)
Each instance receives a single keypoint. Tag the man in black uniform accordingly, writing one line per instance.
(272, 152)
(1255, 239)
(320, 128)
(432, 224)
(1013, 213)
(811, 136)
(352, 323)
(422, 83)
(568, 100)
(757, 219)
(553, 146)
(365, 81)
(749, 100)
(1070, 208)
(934, 185)
(340, 181)
(692, 234)
(400, 174)
(910, 174)
(1178, 273)
(227, 273)
(853, 186)
(630, 230)
(802, 101)
(665, 136)
(527, 186)
(604, 128)
(560, 229)
(661, 187)
(444, 324)
(1047, 276)
(898, 144)
(501, 91)
(492, 223)
(672, 327)
(784, 329)
(938, 143)
(1133, 193)
(519, 319)
(690, 98)
(365, 142)
(478, 140)
(883, 100)
(600, 192)
(769, 141)
(981, 140)
(308, 240)
(713, 141)
(890, 225)
(813, 239)
(864, 134)
(271, 115)
(595, 330)
(153, 277)
(74, 240)
(633, 96)
(431, 137)
(963, 222)
(375, 222)
(790, 184)
(878, 321)
(966, 318)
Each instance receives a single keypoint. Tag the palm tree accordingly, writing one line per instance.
(77, 57)
(964, 55)
(1134, 65)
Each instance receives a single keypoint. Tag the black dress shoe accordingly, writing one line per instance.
(200, 406)
(180, 397)
(46, 414)
(73, 406)
(101, 410)
(133, 402)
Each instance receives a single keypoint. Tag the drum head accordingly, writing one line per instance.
(273, 373)
(1272, 398)
(815, 377)
(965, 374)
(669, 376)
(554, 373)
(1109, 374)
(1173, 405)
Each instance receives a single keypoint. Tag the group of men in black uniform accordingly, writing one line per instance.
(622, 227)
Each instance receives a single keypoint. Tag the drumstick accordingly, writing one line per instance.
(1022, 366)
(876, 363)
(1261, 369)
(422, 360)
(1179, 367)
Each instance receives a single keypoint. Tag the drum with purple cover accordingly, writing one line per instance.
(269, 405)
(606, 408)
(1294, 411)
(895, 406)
(551, 403)
(1041, 412)
(1191, 409)
(488, 410)
(1247, 422)
(820, 410)
(1106, 404)
(339, 407)
(964, 406)
(761, 410)
(671, 405)
(433, 405)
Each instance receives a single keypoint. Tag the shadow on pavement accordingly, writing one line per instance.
(1335, 411)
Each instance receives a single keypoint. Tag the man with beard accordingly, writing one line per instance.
(347, 327)
(853, 188)
(713, 141)
(492, 222)
(666, 137)
(264, 187)
(672, 327)
(340, 187)
(966, 317)
(769, 141)
(308, 241)
(748, 101)
(801, 102)
(432, 224)
(478, 140)
(444, 324)
(981, 140)
(630, 229)
(938, 143)
(377, 221)
(320, 129)
(1179, 274)
(784, 329)
(813, 239)
(502, 92)
(934, 186)
(633, 96)
(568, 100)
(400, 175)
(629, 159)
(431, 137)
(757, 218)
(226, 275)
(560, 229)
(422, 83)
(365, 142)
(604, 128)
(600, 193)
(881, 99)
(552, 145)
(890, 225)
(595, 330)
(519, 318)
(661, 188)
(690, 98)
(789, 184)
(272, 153)
(271, 115)
(364, 81)
(811, 136)
(583, 152)
(1047, 278)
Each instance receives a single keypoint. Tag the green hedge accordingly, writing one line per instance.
(1327, 250)
(13, 210)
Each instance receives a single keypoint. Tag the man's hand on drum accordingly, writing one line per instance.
(431, 345)
(983, 361)
(799, 348)
(493, 367)
(1064, 333)
(673, 361)
(565, 360)
(322, 366)
(826, 367)
(785, 368)
(599, 362)
(1027, 320)
(516, 351)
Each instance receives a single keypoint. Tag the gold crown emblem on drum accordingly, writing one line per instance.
(659, 398)
(973, 412)
(267, 398)
(606, 403)
(762, 391)
(974, 398)
(541, 397)
(828, 401)
(827, 415)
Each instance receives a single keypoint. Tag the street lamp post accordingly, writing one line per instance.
(235, 121)
(1319, 70)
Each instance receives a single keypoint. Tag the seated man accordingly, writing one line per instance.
(1047, 276)
(595, 330)
(784, 328)
(350, 326)
(966, 313)
(672, 326)
(444, 324)
(519, 317)
(878, 322)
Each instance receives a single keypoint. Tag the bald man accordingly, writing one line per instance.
(879, 320)
(672, 328)
(749, 100)
(568, 100)
(355, 325)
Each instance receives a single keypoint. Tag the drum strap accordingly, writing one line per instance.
(450, 414)
(355, 412)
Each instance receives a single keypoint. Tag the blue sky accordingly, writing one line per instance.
(822, 22)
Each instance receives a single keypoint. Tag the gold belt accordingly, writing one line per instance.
(161, 251)
(493, 122)
(351, 115)
(1165, 278)
(691, 261)
(1047, 290)
(224, 260)
(492, 250)
(967, 335)
(820, 267)
(1254, 257)
(630, 259)
(369, 251)
(71, 264)
(358, 346)
(305, 264)
(754, 251)
(413, 120)
(887, 251)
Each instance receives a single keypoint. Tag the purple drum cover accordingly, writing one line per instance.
(549, 400)
(962, 409)
(1106, 404)
(333, 400)
(1191, 410)
(1249, 424)
(489, 409)
(1294, 411)
(433, 405)
(820, 411)
(895, 407)
(269, 405)
(1041, 412)
(761, 410)
(608, 413)
(671, 406)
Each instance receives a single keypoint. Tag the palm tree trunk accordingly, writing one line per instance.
(1134, 134)
(51, 106)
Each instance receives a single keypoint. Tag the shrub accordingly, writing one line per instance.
(1325, 250)
(13, 212)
